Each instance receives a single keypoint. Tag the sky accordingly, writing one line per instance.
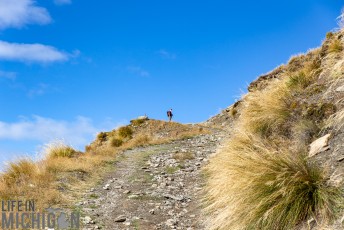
(72, 68)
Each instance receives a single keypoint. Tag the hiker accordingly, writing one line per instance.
(169, 114)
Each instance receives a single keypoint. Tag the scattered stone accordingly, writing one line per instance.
(171, 222)
(120, 218)
(152, 211)
(340, 158)
(106, 187)
(164, 198)
(319, 145)
(133, 196)
(177, 198)
(87, 220)
(340, 89)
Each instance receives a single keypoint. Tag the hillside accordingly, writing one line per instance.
(283, 166)
(272, 160)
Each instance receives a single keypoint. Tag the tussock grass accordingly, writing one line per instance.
(335, 46)
(125, 132)
(20, 171)
(59, 149)
(262, 179)
(138, 141)
(268, 110)
(299, 81)
(24, 179)
(116, 142)
(262, 186)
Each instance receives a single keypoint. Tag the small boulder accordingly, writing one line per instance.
(319, 145)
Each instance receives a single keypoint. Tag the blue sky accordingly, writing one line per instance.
(70, 68)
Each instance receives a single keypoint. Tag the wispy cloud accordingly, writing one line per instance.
(18, 13)
(167, 55)
(138, 71)
(38, 91)
(37, 128)
(8, 75)
(62, 2)
(30, 52)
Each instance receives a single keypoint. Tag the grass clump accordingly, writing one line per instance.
(299, 81)
(140, 140)
(171, 170)
(116, 142)
(102, 136)
(20, 171)
(183, 156)
(125, 132)
(261, 186)
(335, 46)
(268, 110)
(137, 122)
(56, 150)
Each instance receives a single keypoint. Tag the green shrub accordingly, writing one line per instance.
(125, 132)
(116, 142)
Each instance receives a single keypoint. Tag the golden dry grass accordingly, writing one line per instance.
(267, 111)
(45, 180)
(335, 46)
(256, 185)
(262, 179)
(63, 173)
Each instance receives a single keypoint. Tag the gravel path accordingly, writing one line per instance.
(155, 187)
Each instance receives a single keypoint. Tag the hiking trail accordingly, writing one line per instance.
(154, 187)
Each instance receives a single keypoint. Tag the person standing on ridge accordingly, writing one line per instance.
(169, 114)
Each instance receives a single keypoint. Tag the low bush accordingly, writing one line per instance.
(116, 142)
(102, 136)
(125, 132)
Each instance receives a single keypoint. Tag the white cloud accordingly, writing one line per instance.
(166, 55)
(62, 2)
(77, 133)
(138, 71)
(18, 13)
(30, 52)
(8, 75)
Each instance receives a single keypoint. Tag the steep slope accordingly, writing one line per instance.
(282, 167)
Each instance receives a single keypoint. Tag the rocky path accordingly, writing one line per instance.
(155, 187)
